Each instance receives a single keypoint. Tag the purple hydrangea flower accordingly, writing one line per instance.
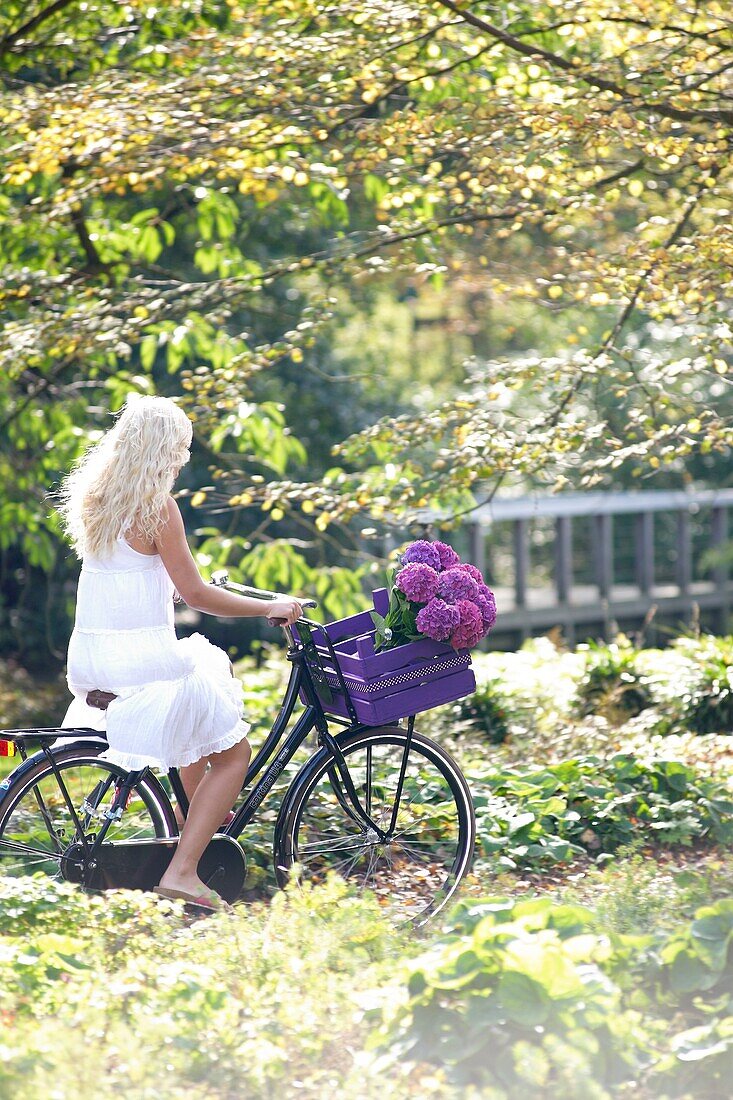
(472, 571)
(486, 604)
(418, 582)
(438, 619)
(470, 629)
(423, 553)
(447, 555)
(457, 584)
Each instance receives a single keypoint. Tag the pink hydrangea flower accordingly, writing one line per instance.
(438, 619)
(487, 606)
(470, 629)
(472, 571)
(447, 555)
(457, 584)
(435, 595)
(422, 552)
(418, 582)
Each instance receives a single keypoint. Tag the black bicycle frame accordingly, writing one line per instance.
(123, 785)
(313, 717)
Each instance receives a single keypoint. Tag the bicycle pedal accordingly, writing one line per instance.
(90, 810)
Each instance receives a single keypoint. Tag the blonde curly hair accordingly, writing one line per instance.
(122, 483)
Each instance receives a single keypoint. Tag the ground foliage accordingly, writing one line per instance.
(522, 995)
(191, 192)
(589, 954)
(314, 994)
(529, 817)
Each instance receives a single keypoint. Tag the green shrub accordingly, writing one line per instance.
(707, 705)
(487, 712)
(527, 997)
(611, 684)
(636, 892)
(698, 957)
(27, 700)
(528, 818)
(699, 1063)
(316, 996)
(514, 1000)
(695, 980)
(127, 992)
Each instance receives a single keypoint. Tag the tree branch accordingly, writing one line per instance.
(630, 306)
(94, 263)
(9, 41)
(43, 383)
(706, 36)
(559, 62)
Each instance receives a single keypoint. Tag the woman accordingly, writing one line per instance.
(175, 701)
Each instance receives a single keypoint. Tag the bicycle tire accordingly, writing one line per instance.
(36, 827)
(431, 848)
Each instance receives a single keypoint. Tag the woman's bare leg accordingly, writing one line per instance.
(213, 797)
(191, 776)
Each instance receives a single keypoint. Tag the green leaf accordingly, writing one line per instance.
(524, 999)
(519, 822)
(148, 351)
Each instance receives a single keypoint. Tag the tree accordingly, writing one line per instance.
(176, 178)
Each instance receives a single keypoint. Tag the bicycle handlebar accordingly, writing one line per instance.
(221, 580)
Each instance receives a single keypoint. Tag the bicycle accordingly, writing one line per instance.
(382, 805)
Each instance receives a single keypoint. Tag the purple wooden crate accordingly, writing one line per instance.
(402, 703)
(390, 685)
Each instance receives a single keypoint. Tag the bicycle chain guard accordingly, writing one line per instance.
(140, 865)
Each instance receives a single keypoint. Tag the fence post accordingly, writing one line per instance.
(521, 562)
(645, 552)
(563, 558)
(684, 552)
(603, 549)
(718, 540)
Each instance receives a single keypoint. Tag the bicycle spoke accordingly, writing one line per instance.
(351, 867)
(56, 808)
(418, 857)
(346, 845)
(345, 867)
(26, 849)
(420, 806)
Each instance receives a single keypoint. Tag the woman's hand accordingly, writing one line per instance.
(284, 611)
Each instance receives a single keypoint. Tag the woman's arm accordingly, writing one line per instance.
(182, 569)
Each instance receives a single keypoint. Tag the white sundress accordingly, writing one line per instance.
(177, 700)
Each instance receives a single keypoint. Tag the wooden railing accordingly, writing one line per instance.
(593, 563)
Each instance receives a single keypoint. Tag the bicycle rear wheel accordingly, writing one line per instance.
(430, 834)
(36, 823)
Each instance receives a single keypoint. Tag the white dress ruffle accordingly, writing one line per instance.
(177, 700)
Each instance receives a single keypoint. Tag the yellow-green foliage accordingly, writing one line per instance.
(316, 997)
(125, 991)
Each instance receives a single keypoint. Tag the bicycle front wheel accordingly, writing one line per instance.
(420, 803)
(42, 817)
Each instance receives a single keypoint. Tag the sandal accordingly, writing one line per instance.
(208, 900)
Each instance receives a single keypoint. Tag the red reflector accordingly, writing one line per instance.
(7, 748)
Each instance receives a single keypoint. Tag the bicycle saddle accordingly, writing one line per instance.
(100, 699)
